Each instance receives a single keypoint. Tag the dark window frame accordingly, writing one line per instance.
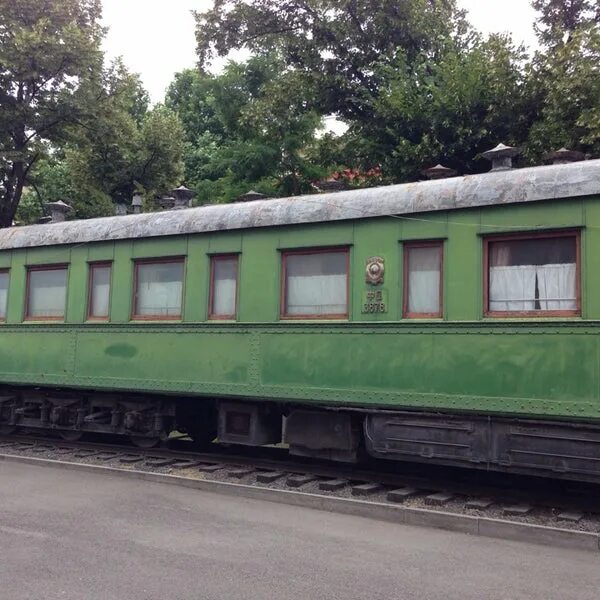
(214, 258)
(406, 248)
(548, 234)
(7, 271)
(91, 267)
(48, 267)
(283, 284)
(137, 262)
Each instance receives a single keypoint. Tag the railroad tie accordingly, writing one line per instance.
(517, 510)
(209, 468)
(268, 476)
(240, 472)
(402, 494)
(479, 503)
(438, 499)
(571, 516)
(296, 481)
(131, 458)
(333, 485)
(366, 489)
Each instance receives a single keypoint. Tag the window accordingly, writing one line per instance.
(158, 289)
(223, 287)
(46, 296)
(315, 284)
(99, 291)
(532, 274)
(423, 279)
(3, 294)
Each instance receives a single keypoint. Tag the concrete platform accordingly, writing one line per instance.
(69, 534)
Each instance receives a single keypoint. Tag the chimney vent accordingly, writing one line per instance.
(58, 211)
(183, 197)
(136, 204)
(564, 156)
(501, 157)
(438, 172)
(251, 195)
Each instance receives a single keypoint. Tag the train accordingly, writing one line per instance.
(452, 321)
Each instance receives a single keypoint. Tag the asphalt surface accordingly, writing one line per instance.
(83, 536)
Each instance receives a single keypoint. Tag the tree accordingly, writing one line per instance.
(565, 75)
(558, 20)
(448, 110)
(127, 148)
(48, 50)
(339, 43)
(247, 127)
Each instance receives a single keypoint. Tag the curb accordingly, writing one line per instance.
(421, 517)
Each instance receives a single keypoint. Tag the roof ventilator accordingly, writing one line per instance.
(501, 157)
(136, 204)
(438, 172)
(250, 196)
(58, 211)
(180, 198)
(564, 156)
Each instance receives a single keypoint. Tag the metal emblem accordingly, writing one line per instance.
(375, 270)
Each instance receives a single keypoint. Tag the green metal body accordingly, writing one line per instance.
(546, 367)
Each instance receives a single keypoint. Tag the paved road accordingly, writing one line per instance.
(81, 536)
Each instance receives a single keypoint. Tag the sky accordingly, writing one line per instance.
(156, 38)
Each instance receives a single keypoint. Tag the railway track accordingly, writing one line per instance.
(570, 505)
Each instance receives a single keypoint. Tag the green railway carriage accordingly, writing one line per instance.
(453, 321)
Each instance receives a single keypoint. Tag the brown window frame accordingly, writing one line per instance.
(282, 291)
(91, 267)
(488, 239)
(5, 270)
(406, 248)
(53, 267)
(156, 261)
(211, 288)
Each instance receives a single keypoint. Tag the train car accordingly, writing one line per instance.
(450, 321)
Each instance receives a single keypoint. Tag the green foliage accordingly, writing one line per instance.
(338, 43)
(248, 127)
(412, 80)
(48, 49)
(560, 19)
(567, 80)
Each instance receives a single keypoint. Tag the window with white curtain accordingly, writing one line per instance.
(223, 293)
(3, 294)
(423, 279)
(533, 275)
(315, 284)
(159, 289)
(46, 292)
(99, 292)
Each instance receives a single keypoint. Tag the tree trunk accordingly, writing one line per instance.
(12, 196)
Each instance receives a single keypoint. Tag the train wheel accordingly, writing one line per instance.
(7, 429)
(70, 435)
(144, 442)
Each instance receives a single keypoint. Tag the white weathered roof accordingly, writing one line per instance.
(498, 187)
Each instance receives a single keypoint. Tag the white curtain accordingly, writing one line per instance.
(159, 289)
(3, 294)
(316, 284)
(556, 286)
(225, 284)
(47, 293)
(100, 296)
(424, 280)
(512, 288)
